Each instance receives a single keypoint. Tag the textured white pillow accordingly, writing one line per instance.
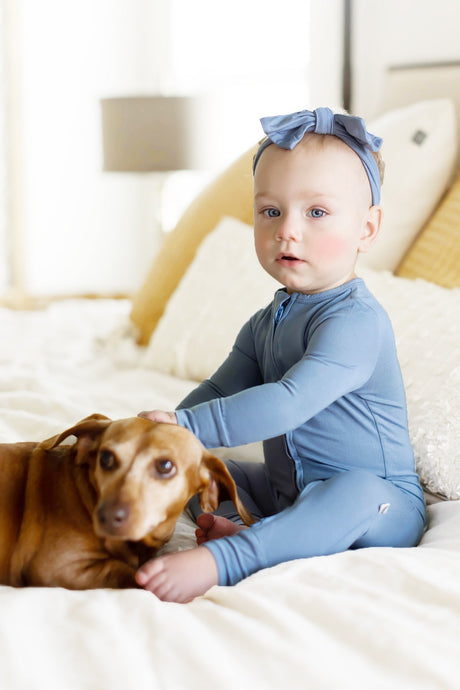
(224, 285)
(420, 151)
(426, 322)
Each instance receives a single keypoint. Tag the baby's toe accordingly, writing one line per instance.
(205, 521)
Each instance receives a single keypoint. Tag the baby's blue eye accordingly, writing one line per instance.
(272, 212)
(317, 213)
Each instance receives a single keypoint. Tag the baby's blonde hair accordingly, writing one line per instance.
(376, 154)
(380, 164)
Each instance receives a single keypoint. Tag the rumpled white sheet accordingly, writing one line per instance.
(70, 360)
(375, 618)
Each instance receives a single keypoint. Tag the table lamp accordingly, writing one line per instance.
(159, 134)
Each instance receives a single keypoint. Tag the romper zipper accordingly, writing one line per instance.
(278, 316)
(280, 311)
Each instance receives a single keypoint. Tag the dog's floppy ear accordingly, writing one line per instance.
(87, 431)
(218, 485)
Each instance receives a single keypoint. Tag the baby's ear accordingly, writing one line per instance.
(371, 228)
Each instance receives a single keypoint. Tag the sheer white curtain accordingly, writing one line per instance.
(72, 229)
(4, 270)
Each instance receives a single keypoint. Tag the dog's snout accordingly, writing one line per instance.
(112, 516)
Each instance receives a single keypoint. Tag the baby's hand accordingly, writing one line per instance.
(159, 416)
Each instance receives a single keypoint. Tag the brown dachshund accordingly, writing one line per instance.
(89, 514)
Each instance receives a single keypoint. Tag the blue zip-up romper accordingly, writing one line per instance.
(316, 377)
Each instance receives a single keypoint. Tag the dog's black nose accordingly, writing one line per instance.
(112, 516)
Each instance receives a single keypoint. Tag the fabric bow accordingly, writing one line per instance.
(286, 131)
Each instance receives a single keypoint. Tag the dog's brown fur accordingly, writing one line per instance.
(89, 514)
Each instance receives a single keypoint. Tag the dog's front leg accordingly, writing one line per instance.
(101, 573)
(123, 551)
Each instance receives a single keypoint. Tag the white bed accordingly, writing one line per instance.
(374, 618)
(370, 618)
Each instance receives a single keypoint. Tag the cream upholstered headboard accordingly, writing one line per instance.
(405, 84)
(435, 254)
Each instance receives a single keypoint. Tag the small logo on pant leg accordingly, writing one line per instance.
(383, 507)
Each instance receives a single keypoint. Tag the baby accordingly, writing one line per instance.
(314, 375)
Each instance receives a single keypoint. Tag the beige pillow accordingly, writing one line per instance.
(420, 153)
(231, 194)
(222, 287)
(427, 330)
(435, 255)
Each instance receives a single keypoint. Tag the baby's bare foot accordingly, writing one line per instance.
(180, 576)
(214, 527)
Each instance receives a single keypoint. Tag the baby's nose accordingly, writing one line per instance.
(289, 230)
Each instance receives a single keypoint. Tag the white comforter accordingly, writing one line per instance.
(375, 618)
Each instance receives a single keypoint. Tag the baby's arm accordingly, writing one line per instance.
(239, 371)
(340, 357)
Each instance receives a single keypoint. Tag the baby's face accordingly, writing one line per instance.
(312, 213)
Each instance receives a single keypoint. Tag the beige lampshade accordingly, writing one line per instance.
(161, 133)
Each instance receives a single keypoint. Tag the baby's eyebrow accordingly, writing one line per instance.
(308, 194)
(313, 194)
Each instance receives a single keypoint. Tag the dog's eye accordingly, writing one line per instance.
(164, 468)
(107, 460)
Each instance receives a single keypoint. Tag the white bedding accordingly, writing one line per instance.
(375, 618)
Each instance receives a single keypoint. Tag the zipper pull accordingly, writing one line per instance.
(279, 313)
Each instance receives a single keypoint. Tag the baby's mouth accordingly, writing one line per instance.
(288, 259)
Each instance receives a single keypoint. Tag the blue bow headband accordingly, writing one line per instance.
(286, 131)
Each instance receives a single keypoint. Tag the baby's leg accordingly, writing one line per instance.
(256, 493)
(254, 490)
(214, 527)
(351, 509)
(187, 574)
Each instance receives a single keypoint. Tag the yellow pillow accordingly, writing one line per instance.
(435, 254)
(231, 194)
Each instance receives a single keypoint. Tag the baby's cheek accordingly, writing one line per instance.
(329, 246)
